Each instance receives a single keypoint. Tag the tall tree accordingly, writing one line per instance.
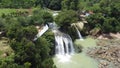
(55, 4)
(70, 4)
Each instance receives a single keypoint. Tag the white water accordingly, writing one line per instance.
(78, 60)
(79, 34)
(63, 44)
(41, 32)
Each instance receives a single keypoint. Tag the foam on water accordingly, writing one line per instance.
(63, 58)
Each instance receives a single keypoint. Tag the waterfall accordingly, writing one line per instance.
(41, 32)
(63, 44)
(79, 34)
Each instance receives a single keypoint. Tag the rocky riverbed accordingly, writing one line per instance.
(107, 53)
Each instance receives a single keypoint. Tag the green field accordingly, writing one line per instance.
(7, 11)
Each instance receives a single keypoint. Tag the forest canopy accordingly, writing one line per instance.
(19, 27)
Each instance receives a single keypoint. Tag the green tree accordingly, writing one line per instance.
(49, 36)
(64, 4)
(24, 51)
(2, 24)
(41, 17)
(43, 50)
(70, 4)
(110, 25)
(29, 32)
(65, 18)
(47, 17)
(106, 16)
(42, 3)
(25, 21)
(55, 4)
(14, 30)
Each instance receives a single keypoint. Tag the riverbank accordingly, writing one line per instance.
(107, 53)
(108, 36)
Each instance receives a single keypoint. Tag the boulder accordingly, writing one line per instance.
(117, 35)
(79, 25)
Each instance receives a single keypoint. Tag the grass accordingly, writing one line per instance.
(8, 10)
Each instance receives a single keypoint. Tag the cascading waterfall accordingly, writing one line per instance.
(41, 32)
(79, 34)
(63, 44)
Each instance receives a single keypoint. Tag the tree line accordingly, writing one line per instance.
(51, 4)
(106, 17)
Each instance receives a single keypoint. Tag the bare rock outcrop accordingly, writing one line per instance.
(107, 53)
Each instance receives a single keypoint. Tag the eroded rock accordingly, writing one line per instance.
(107, 53)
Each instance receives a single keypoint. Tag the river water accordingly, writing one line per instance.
(78, 60)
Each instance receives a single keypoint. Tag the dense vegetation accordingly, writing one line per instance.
(52, 4)
(19, 27)
(105, 17)
(21, 32)
(65, 19)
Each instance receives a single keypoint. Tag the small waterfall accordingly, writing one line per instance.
(41, 32)
(79, 34)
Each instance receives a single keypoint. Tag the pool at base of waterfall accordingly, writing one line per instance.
(63, 58)
(77, 60)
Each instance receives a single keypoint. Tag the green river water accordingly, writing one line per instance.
(78, 60)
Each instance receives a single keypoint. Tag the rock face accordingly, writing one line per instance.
(107, 53)
(79, 25)
(109, 36)
(117, 35)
